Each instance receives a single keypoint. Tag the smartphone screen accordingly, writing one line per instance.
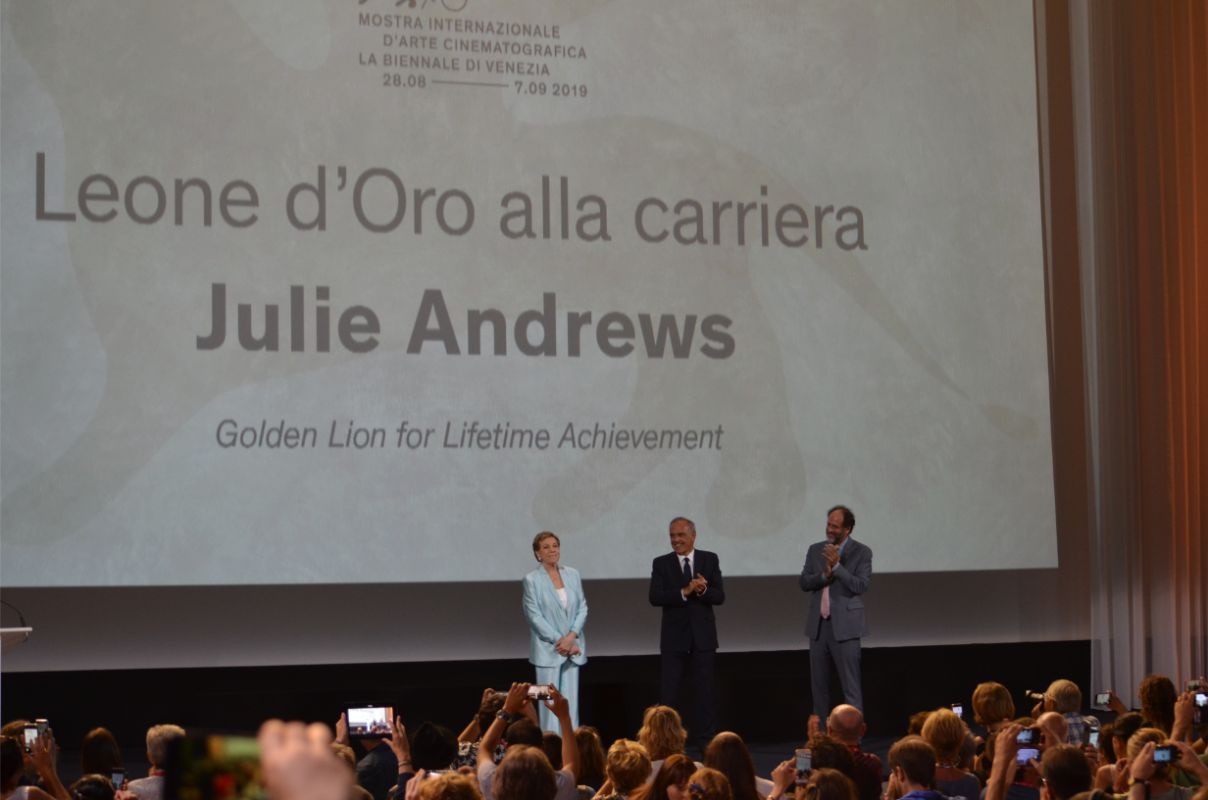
(538, 691)
(804, 764)
(1164, 754)
(1103, 699)
(31, 735)
(958, 709)
(1093, 739)
(369, 721)
(117, 778)
(1027, 754)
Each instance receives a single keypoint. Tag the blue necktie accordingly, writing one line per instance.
(687, 572)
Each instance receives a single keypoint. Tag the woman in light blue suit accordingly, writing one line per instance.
(556, 610)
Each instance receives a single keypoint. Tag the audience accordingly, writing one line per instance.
(591, 757)
(99, 753)
(42, 756)
(159, 738)
(1066, 772)
(945, 732)
(92, 787)
(709, 784)
(380, 767)
(993, 707)
(1065, 698)
(626, 769)
(828, 784)
(912, 770)
(1156, 778)
(662, 734)
(471, 736)
(846, 723)
(727, 753)
(527, 769)
(513, 760)
(450, 786)
(1158, 697)
(671, 780)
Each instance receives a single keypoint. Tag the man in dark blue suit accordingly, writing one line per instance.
(687, 584)
(836, 574)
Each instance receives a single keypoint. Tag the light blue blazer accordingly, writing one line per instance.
(548, 622)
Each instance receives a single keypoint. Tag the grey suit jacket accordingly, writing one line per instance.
(848, 581)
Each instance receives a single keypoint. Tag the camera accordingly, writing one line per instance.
(1166, 754)
(29, 735)
(1103, 701)
(369, 721)
(958, 709)
(1037, 697)
(117, 776)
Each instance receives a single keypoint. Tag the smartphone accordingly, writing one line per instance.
(958, 709)
(30, 735)
(117, 776)
(538, 691)
(43, 726)
(213, 767)
(1027, 754)
(805, 762)
(1166, 754)
(1029, 736)
(1092, 738)
(369, 721)
(1103, 701)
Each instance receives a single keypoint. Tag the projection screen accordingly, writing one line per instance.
(373, 291)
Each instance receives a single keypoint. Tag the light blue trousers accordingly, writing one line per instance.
(565, 679)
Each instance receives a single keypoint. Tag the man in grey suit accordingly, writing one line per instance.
(836, 574)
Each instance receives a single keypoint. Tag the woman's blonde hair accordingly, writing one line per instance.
(627, 766)
(662, 732)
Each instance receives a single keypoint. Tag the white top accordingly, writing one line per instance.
(562, 597)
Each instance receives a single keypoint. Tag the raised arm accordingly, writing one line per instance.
(1002, 771)
(570, 746)
(513, 707)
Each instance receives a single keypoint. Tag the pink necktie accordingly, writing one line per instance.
(826, 602)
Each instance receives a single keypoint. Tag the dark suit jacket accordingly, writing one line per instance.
(848, 581)
(688, 625)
